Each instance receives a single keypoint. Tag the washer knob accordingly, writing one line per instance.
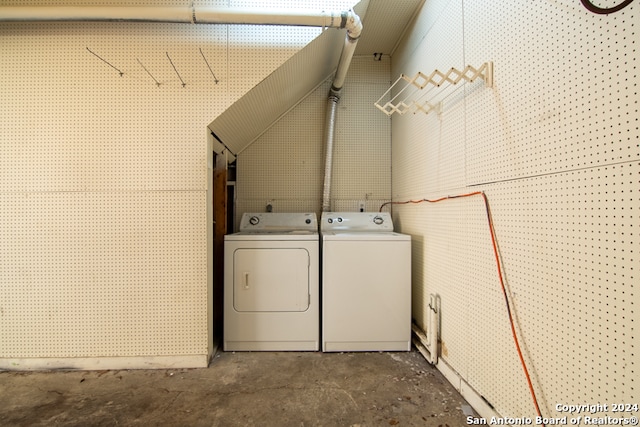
(378, 220)
(339, 219)
(330, 220)
(254, 220)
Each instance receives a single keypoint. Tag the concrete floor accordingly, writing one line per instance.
(241, 389)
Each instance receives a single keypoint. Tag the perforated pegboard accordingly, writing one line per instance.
(442, 138)
(258, 50)
(117, 132)
(103, 178)
(573, 110)
(362, 152)
(555, 146)
(103, 274)
(285, 166)
(575, 282)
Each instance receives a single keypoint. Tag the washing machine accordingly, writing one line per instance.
(271, 283)
(366, 283)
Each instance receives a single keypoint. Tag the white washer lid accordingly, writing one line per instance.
(361, 236)
(310, 236)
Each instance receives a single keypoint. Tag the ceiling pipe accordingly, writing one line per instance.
(173, 14)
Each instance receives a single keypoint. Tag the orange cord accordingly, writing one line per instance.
(504, 290)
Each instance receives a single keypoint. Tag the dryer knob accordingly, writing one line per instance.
(307, 221)
(254, 220)
(378, 220)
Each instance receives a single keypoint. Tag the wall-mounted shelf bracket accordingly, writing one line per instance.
(411, 95)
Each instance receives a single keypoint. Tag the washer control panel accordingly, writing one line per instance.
(356, 221)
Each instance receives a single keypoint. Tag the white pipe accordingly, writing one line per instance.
(185, 14)
(212, 15)
(434, 327)
(354, 29)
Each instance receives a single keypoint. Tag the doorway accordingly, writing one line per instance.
(219, 204)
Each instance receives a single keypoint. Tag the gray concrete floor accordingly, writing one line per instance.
(241, 389)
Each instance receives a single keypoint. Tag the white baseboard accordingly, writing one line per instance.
(104, 363)
(476, 401)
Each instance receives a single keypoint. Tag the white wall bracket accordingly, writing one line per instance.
(413, 97)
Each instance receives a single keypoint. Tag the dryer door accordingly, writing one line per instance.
(273, 279)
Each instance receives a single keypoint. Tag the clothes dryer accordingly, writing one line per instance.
(366, 283)
(271, 283)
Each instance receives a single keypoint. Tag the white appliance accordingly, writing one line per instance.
(271, 283)
(366, 283)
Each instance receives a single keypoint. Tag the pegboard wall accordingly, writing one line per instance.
(555, 146)
(103, 177)
(285, 166)
(97, 279)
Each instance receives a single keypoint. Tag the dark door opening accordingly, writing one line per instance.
(219, 204)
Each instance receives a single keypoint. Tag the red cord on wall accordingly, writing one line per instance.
(504, 290)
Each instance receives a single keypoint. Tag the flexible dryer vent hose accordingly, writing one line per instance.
(332, 106)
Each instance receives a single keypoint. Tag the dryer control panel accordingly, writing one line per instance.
(356, 221)
(271, 222)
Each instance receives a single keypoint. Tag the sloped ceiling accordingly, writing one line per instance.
(246, 119)
(384, 25)
(243, 122)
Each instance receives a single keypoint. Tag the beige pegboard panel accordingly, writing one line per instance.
(258, 50)
(362, 150)
(61, 103)
(494, 361)
(410, 176)
(416, 30)
(286, 161)
(582, 120)
(439, 231)
(557, 154)
(99, 274)
(409, 220)
(294, 147)
(438, 139)
(572, 286)
(351, 205)
(438, 145)
(570, 242)
(103, 210)
(552, 111)
(447, 30)
(452, 259)
(284, 166)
